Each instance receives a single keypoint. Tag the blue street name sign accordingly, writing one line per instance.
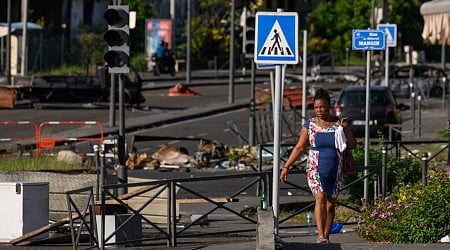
(368, 40)
(276, 40)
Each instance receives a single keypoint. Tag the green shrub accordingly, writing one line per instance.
(406, 170)
(139, 62)
(375, 153)
(411, 214)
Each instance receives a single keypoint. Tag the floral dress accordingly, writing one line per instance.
(323, 170)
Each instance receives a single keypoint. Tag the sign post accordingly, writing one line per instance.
(276, 42)
(390, 30)
(367, 40)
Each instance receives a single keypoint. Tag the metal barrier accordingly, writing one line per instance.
(379, 170)
(82, 215)
(50, 142)
(172, 232)
(33, 139)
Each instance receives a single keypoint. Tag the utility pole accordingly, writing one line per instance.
(24, 61)
(231, 64)
(8, 46)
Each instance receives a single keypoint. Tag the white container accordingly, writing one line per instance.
(131, 231)
(24, 207)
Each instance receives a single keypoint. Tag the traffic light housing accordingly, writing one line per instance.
(248, 45)
(118, 38)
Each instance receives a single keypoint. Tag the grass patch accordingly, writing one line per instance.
(49, 163)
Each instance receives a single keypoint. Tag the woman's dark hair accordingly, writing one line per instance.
(322, 94)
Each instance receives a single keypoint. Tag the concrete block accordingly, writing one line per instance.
(265, 230)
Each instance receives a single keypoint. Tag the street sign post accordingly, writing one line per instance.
(390, 32)
(368, 40)
(276, 40)
(276, 43)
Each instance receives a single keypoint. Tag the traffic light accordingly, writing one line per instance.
(118, 39)
(249, 36)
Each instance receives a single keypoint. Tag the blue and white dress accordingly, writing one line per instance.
(323, 170)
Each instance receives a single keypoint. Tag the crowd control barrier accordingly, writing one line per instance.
(49, 139)
(18, 142)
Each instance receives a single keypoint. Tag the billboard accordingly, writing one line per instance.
(157, 30)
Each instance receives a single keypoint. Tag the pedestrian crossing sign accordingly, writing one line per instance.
(390, 31)
(276, 40)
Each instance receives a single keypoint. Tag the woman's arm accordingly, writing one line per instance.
(299, 148)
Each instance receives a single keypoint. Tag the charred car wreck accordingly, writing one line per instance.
(47, 89)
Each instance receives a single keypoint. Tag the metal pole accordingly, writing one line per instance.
(383, 171)
(386, 67)
(424, 168)
(305, 62)
(251, 134)
(188, 44)
(112, 99)
(97, 168)
(24, 64)
(231, 64)
(8, 45)
(419, 101)
(122, 174)
(276, 144)
(174, 25)
(367, 128)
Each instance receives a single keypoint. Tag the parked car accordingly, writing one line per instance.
(384, 110)
(428, 79)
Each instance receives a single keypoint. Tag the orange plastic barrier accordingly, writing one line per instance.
(33, 139)
(50, 142)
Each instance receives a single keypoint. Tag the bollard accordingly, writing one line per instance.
(419, 101)
(383, 170)
(424, 168)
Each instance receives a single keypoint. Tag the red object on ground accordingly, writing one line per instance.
(180, 89)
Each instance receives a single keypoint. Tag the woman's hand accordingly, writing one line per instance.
(284, 174)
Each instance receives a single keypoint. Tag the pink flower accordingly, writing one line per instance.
(374, 226)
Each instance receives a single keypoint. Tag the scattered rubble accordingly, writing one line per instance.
(208, 154)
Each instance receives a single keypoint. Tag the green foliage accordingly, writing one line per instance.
(88, 50)
(210, 30)
(144, 10)
(405, 170)
(375, 157)
(139, 62)
(332, 22)
(37, 164)
(411, 214)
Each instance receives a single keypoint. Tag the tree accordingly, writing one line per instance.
(210, 29)
(332, 22)
(144, 10)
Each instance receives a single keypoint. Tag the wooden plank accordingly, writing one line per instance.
(136, 192)
(43, 229)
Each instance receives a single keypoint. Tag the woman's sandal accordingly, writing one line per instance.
(322, 240)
